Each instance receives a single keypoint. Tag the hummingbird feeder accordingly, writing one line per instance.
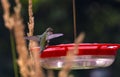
(90, 55)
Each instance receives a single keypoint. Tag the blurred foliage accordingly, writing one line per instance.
(99, 19)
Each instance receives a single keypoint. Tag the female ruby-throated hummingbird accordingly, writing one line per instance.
(44, 38)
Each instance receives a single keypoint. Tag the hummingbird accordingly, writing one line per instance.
(45, 38)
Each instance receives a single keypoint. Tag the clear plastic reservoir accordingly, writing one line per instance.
(89, 56)
(80, 62)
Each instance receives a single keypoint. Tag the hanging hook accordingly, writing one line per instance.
(74, 20)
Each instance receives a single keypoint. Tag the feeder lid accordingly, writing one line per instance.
(84, 49)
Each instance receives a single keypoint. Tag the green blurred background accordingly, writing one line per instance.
(99, 19)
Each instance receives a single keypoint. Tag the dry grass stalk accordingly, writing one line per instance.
(35, 66)
(71, 56)
(79, 39)
(20, 41)
(15, 22)
(31, 19)
(31, 30)
(9, 20)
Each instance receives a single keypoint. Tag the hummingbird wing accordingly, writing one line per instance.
(54, 36)
(34, 38)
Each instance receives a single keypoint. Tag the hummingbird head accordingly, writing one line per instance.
(49, 30)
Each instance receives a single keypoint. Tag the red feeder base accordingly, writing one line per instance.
(91, 55)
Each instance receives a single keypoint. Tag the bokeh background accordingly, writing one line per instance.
(99, 19)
